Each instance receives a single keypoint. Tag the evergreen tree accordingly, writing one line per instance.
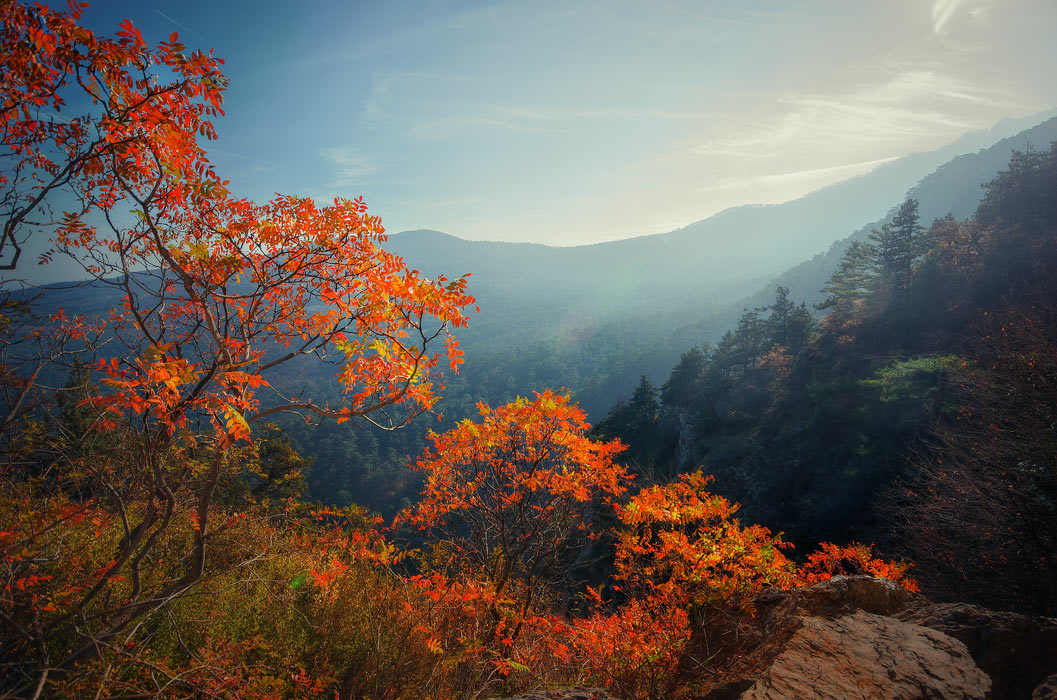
(683, 383)
(849, 285)
(790, 326)
(750, 339)
(724, 359)
(897, 247)
(779, 326)
(633, 418)
(802, 327)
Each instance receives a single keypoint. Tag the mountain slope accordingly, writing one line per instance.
(536, 291)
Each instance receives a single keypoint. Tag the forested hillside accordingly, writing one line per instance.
(562, 317)
(597, 343)
(919, 415)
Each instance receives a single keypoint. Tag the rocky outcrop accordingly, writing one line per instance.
(577, 693)
(844, 594)
(1047, 690)
(1018, 652)
(863, 655)
(838, 640)
(863, 638)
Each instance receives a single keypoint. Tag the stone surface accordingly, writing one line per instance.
(848, 593)
(862, 655)
(1047, 690)
(1018, 652)
(835, 640)
(576, 693)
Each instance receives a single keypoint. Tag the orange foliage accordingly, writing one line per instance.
(521, 480)
(856, 559)
(961, 244)
(217, 293)
(680, 543)
(637, 646)
(506, 498)
(212, 283)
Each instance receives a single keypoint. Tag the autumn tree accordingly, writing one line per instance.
(681, 544)
(217, 293)
(506, 499)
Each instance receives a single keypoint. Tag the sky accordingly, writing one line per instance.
(575, 121)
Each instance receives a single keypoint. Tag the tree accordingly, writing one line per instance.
(144, 110)
(848, 286)
(750, 339)
(682, 385)
(789, 325)
(681, 546)
(897, 247)
(508, 497)
(960, 244)
(216, 293)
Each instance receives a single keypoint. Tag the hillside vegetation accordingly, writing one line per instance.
(162, 536)
(920, 414)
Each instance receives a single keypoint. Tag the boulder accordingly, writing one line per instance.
(1047, 690)
(837, 640)
(863, 655)
(1018, 652)
(575, 693)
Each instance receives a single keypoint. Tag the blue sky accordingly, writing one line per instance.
(570, 122)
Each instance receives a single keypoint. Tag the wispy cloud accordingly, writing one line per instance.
(942, 11)
(827, 174)
(945, 11)
(594, 115)
(392, 92)
(350, 166)
(908, 104)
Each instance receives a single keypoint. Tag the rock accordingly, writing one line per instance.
(1016, 651)
(576, 693)
(1047, 690)
(863, 655)
(849, 593)
(837, 640)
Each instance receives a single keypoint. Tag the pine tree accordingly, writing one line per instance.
(750, 339)
(682, 384)
(802, 327)
(779, 324)
(789, 326)
(849, 285)
(897, 247)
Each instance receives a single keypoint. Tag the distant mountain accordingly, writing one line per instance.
(955, 187)
(529, 291)
(594, 318)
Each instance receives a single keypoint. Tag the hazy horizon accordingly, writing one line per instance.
(576, 123)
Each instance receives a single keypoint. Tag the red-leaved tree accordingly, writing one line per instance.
(215, 295)
(509, 497)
